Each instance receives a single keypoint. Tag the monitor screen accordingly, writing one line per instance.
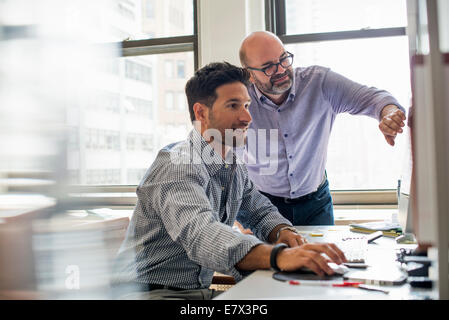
(404, 187)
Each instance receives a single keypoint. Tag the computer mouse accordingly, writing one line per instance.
(338, 268)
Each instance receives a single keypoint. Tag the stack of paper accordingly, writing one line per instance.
(388, 228)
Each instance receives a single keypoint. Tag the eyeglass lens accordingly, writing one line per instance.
(284, 62)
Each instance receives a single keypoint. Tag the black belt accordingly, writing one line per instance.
(139, 286)
(296, 200)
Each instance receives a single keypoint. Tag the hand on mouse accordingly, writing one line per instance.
(310, 255)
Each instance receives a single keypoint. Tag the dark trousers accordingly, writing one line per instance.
(313, 209)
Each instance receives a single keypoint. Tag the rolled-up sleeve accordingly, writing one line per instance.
(346, 95)
(257, 211)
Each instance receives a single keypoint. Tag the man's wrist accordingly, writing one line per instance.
(274, 254)
(388, 109)
(273, 235)
(289, 228)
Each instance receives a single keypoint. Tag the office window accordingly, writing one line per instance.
(181, 101)
(135, 175)
(103, 176)
(131, 142)
(180, 69)
(316, 31)
(73, 176)
(149, 9)
(126, 9)
(145, 19)
(137, 71)
(169, 69)
(73, 139)
(315, 16)
(139, 107)
(104, 101)
(130, 136)
(121, 123)
(443, 25)
(176, 14)
(169, 100)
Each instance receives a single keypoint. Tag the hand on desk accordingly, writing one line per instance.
(309, 255)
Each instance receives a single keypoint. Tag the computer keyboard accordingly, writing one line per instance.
(354, 248)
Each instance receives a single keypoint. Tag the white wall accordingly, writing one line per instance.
(223, 25)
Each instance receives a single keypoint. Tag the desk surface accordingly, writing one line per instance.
(381, 255)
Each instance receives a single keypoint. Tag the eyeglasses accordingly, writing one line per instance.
(271, 69)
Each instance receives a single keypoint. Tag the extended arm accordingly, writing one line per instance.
(346, 95)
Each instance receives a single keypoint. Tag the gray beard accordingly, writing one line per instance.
(274, 89)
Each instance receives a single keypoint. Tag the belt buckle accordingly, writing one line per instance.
(289, 201)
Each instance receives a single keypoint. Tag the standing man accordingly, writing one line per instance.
(302, 104)
(181, 230)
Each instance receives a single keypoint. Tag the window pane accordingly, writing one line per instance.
(358, 155)
(124, 122)
(315, 16)
(443, 25)
(143, 19)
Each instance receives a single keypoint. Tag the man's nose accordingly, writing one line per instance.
(245, 116)
(280, 69)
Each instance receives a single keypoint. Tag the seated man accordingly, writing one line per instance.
(181, 230)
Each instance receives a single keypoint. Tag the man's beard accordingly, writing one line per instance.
(276, 89)
(233, 137)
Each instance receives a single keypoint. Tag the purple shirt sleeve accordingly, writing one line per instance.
(345, 95)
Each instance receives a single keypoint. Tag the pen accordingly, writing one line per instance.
(372, 288)
(325, 283)
(359, 285)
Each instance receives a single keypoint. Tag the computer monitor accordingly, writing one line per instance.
(405, 213)
(405, 207)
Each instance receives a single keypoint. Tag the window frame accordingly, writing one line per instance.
(276, 22)
(141, 47)
(124, 196)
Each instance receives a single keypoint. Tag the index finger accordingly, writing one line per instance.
(340, 253)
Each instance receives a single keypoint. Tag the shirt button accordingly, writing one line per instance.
(290, 157)
(226, 166)
(279, 110)
(222, 188)
(293, 192)
(286, 135)
(291, 174)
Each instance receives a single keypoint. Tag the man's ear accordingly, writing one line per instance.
(251, 76)
(201, 112)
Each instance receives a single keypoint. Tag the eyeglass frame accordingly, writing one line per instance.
(275, 64)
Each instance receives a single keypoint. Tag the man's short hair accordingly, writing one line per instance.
(201, 87)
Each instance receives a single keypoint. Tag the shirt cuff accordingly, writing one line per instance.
(383, 104)
(246, 243)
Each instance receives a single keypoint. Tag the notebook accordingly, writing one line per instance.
(389, 229)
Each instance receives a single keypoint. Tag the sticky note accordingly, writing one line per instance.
(316, 234)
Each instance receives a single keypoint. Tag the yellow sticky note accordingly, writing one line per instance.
(316, 234)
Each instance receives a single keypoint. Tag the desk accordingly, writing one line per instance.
(381, 255)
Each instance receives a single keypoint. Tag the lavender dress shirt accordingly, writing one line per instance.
(296, 166)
